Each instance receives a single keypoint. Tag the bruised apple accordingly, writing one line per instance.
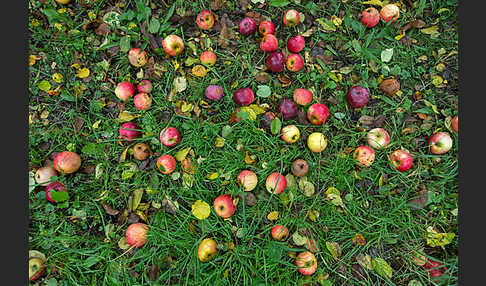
(170, 136)
(137, 57)
(141, 151)
(67, 162)
(306, 263)
(144, 86)
(247, 179)
(207, 250)
(205, 20)
(142, 101)
(43, 175)
(364, 155)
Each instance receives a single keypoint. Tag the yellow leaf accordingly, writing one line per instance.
(399, 36)
(212, 176)
(249, 159)
(251, 113)
(75, 65)
(33, 59)
(125, 116)
(435, 238)
(432, 30)
(176, 65)
(336, 20)
(44, 85)
(219, 142)
(201, 209)
(182, 154)
(57, 77)
(187, 107)
(96, 124)
(373, 2)
(83, 73)
(257, 109)
(334, 196)
(431, 105)
(437, 80)
(199, 70)
(313, 215)
(442, 10)
(123, 155)
(142, 215)
(272, 215)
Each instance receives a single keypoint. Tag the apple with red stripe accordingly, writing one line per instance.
(136, 234)
(275, 183)
(166, 164)
(378, 138)
(130, 131)
(440, 143)
(280, 232)
(173, 45)
(306, 263)
(401, 160)
(207, 249)
(296, 44)
(269, 43)
(318, 113)
(170, 136)
(144, 86)
(302, 96)
(266, 27)
(247, 179)
(124, 90)
(370, 17)
(291, 18)
(224, 206)
(294, 62)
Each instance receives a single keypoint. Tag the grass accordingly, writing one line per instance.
(80, 240)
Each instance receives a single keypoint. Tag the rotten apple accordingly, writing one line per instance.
(144, 86)
(306, 263)
(141, 151)
(290, 134)
(142, 101)
(207, 250)
(364, 156)
(390, 12)
(137, 57)
(291, 18)
(214, 92)
(205, 20)
(43, 175)
(275, 62)
(370, 17)
(299, 167)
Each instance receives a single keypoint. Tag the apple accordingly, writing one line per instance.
(299, 167)
(290, 134)
(166, 164)
(401, 160)
(316, 142)
(144, 86)
(275, 183)
(208, 58)
(455, 123)
(294, 62)
(370, 17)
(280, 232)
(243, 96)
(275, 62)
(247, 179)
(170, 136)
(54, 186)
(129, 131)
(36, 268)
(136, 234)
(291, 18)
(306, 263)
(205, 20)
(440, 143)
(141, 151)
(214, 92)
(247, 26)
(223, 206)
(173, 45)
(266, 27)
(435, 269)
(269, 43)
(124, 90)
(302, 96)
(207, 250)
(63, 1)
(137, 57)
(364, 155)
(43, 175)
(67, 162)
(142, 101)
(317, 113)
(266, 120)
(378, 138)
(389, 12)
(390, 86)
(287, 108)
(357, 96)
(296, 44)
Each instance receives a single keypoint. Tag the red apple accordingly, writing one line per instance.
(173, 45)
(166, 164)
(124, 90)
(275, 62)
(302, 96)
(370, 17)
(54, 186)
(364, 155)
(67, 162)
(247, 26)
(291, 18)
(275, 183)
(129, 131)
(207, 250)
(296, 44)
(269, 43)
(389, 12)
(357, 96)
(144, 86)
(266, 27)
(440, 143)
(378, 138)
(287, 108)
(280, 232)
(136, 234)
(317, 113)
(208, 58)
(43, 175)
(36, 268)
(170, 137)
(142, 101)
(290, 134)
(316, 142)
(224, 206)
(435, 269)
(306, 263)
(455, 123)
(247, 179)
(294, 62)
(401, 160)
(243, 96)
(205, 20)
(299, 167)
(137, 57)
(214, 92)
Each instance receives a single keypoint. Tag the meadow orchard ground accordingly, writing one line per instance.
(269, 142)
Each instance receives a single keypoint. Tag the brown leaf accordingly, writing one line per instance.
(302, 117)
(224, 37)
(379, 120)
(153, 272)
(389, 86)
(359, 239)
(78, 123)
(358, 271)
(89, 169)
(103, 29)
(216, 4)
(187, 166)
(109, 210)
(133, 218)
(113, 51)
(366, 120)
(244, 4)
(262, 78)
(284, 80)
(250, 199)
(420, 199)
(257, 17)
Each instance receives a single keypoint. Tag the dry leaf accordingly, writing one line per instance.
(272, 215)
(359, 239)
(109, 210)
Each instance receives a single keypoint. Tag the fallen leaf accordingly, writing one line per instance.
(435, 238)
(272, 215)
(83, 73)
(199, 70)
(298, 239)
(137, 198)
(248, 158)
(219, 142)
(109, 210)
(386, 55)
(180, 84)
(181, 155)
(373, 2)
(170, 206)
(381, 267)
(201, 210)
(44, 85)
(334, 248)
(313, 215)
(366, 120)
(126, 116)
(364, 260)
(334, 196)
(433, 31)
(122, 243)
(419, 199)
(359, 239)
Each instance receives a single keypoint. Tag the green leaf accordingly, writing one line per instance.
(263, 91)
(339, 115)
(31, 182)
(381, 267)
(275, 126)
(334, 249)
(153, 26)
(129, 15)
(226, 131)
(53, 16)
(278, 3)
(59, 196)
(137, 198)
(44, 85)
(92, 260)
(386, 55)
(79, 213)
(51, 282)
(125, 44)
